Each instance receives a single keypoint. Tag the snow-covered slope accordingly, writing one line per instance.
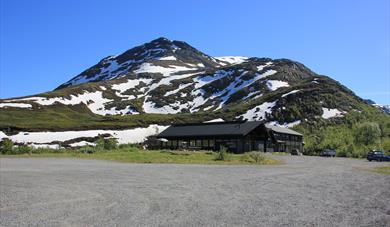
(172, 77)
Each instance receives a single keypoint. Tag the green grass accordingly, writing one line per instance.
(280, 153)
(135, 155)
(382, 169)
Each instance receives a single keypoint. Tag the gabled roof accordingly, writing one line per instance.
(282, 130)
(235, 128)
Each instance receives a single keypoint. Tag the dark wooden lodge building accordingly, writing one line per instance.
(236, 136)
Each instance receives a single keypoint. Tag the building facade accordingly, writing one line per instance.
(236, 136)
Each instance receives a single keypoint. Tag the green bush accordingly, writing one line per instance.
(6, 146)
(256, 156)
(87, 149)
(110, 144)
(106, 144)
(222, 154)
(23, 150)
(100, 143)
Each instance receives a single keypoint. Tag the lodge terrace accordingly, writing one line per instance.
(236, 136)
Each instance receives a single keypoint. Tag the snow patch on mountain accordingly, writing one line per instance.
(48, 146)
(167, 80)
(17, 105)
(252, 95)
(202, 80)
(122, 87)
(330, 113)
(165, 71)
(81, 144)
(232, 59)
(285, 125)
(215, 120)
(261, 67)
(168, 58)
(276, 84)
(94, 101)
(290, 93)
(259, 112)
(181, 87)
(136, 135)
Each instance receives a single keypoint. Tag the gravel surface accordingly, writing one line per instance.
(306, 191)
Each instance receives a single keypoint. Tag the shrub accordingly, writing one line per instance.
(106, 144)
(6, 146)
(23, 150)
(257, 157)
(87, 149)
(222, 154)
(100, 143)
(110, 144)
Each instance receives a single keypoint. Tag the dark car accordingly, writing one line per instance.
(328, 153)
(377, 156)
(296, 152)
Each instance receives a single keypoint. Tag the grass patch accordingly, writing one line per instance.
(382, 169)
(136, 155)
(280, 153)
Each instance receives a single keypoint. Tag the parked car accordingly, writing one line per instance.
(296, 152)
(377, 156)
(328, 153)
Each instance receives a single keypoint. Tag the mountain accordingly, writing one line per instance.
(152, 56)
(164, 82)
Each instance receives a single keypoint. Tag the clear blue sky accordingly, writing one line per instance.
(44, 43)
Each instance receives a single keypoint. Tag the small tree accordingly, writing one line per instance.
(221, 154)
(367, 133)
(6, 146)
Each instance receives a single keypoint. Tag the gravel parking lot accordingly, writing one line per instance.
(305, 191)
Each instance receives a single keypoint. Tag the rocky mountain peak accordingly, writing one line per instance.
(160, 52)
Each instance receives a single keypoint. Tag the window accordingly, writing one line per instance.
(192, 143)
(198, 143)
(182, 143)
(205, 143)
(169, 143)
(174, 143)
(211, 143)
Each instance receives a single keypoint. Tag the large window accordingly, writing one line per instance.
(192, 143)
(198, 143)
(205, 143)
(211, 143)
